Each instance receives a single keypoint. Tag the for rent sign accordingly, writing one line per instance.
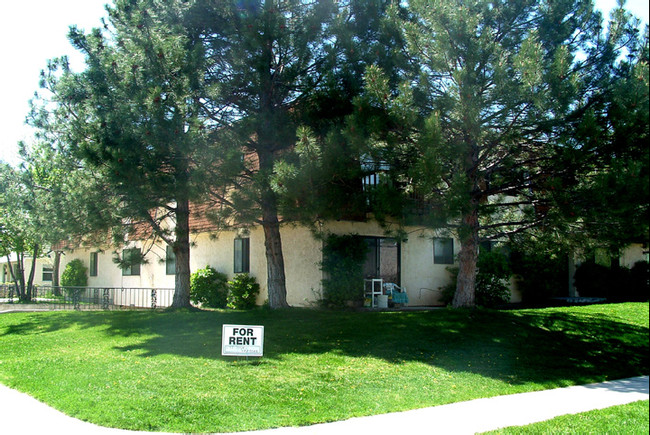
(242, 340)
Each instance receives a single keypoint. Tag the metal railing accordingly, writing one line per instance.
(91, 298)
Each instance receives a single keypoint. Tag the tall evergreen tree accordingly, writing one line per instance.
(322, 180)
(133, 115)
(267, 59)
(490, 119)
(609, 204)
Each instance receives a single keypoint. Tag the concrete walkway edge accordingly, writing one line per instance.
(492, 413)
(23, 414)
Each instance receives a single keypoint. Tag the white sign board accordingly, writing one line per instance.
(242, 340)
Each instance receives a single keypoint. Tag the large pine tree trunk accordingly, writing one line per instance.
(465, 295)
(276, 281)
(182, 251)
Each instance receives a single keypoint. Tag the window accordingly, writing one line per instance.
(170, 261)
(132, 258)
(47, 273)
(487, 246)
(93, 264)
(242, 255)
(374, 173)
(443, 251)
(382, 259)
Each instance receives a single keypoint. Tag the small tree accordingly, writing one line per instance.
(75, 274)
(541, 270)
(20, 226)
(640, 282)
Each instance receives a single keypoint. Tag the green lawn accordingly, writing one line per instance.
(163, 371)
(624, 419)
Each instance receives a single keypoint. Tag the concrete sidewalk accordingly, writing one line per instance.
(21, 414)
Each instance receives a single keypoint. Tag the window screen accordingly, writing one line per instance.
(443, 251)
(242, 255)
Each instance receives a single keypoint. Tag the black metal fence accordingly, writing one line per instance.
(91, 298)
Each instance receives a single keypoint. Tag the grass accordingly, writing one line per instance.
(624, 419)
(163, 371)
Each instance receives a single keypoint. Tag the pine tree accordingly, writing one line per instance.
(487, 125)
(321, 179)
(266, 59)
(608, 206)
(133, 115)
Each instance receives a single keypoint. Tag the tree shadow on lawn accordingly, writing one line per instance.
(517, 347)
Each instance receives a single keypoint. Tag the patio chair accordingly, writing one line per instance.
(397, 293)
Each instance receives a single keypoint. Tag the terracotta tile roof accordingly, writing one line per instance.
(61, 245)
(199, 221)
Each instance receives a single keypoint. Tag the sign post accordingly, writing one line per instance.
(242, 340)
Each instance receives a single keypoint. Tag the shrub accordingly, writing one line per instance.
(209, 288)
(243, 292)
(640, 282)
(74, 274)
(492, 279)
(593, 280)
(343, 257)
(617, 284)
(448, 291)
(541, 274)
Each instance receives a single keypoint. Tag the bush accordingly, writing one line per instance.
(448, 291)
(209, 288)
(74, 274)
(640, 282)
(492, 279)
(541, 274)
(594, 280)
(617, 284)
(343, 257)
(243, 292)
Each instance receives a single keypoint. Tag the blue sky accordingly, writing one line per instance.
(32, 31)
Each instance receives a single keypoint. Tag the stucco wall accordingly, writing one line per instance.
(632, 254)
(422, 278)
(152, 274)
(302, 253)
(5, 275)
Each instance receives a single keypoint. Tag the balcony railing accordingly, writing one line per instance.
(91, 298)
